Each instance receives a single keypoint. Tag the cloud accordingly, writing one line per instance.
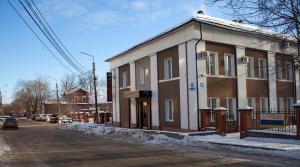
(139, 5)
(107, 17)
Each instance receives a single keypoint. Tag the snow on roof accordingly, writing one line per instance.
(233, 25)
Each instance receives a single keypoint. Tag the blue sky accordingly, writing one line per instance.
(100, 27)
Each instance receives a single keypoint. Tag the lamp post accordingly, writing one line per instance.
(95, 86)
(57, 97)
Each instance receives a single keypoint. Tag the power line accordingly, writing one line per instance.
(56, 35)
(43, 43)
(49, 36)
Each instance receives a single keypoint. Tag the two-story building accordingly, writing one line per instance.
(205, 62)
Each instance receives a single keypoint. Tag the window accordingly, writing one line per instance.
(290, 103)
(280, 105)
(125, 79)
(262, 66)
(169, 110)
(289, 71)
(264, 104)
(229, 65)
(252, 103)
(231, 108)
(278, 70)
(168, 68)
(143, 75)
(250, 68)
(212, 63)
(84, 99)
(213, 102)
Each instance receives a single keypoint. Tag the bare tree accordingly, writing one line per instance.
(69, 83)
(278, 15)
(33, 94)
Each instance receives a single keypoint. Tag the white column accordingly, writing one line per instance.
(113, 71)
(192, 85)
(183, 87)
(154, 89)
(272, 81)
(297, 79)
(202, 80)
(117, 115)
(132, 88)
(241, 74)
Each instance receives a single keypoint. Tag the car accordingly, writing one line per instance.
(48, 116)
(54, 119)
(64, 119)
(10, 122)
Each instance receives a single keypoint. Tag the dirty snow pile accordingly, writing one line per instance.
(281, 147)
(3, 147)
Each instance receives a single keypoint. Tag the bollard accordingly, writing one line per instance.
(245, 120)
(220, 120)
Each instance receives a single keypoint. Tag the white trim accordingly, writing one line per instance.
(285, 80)
(272, 81)
(253, 106)
(154, 88)
(128, 87)
(168, 71)
(167, 113)
(209, 104)
(241, 68)
(260, 104)
(216, 63)
(232, 64)
(166, 80)
(132, 87)
(192, 85)
(202, 79)
(261, 79)
(117, 115)
(220, 76)
(233, 107)
(183, 86)
(251, 63)
(264, 67)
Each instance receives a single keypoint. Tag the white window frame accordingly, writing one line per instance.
(168, 111)
(168, 72)
(143, 75)
(291, 110)
(251, 65)
(233, 108)
(124, 79)
(210, 99)
(226, 64)
(264, 68)
(289, 71)
(216, 63)
(280, 104)
(278, 69)
(253, 106)
(261, 106)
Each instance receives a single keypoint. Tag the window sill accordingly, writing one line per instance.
(220, 76)
(284, 80)
(262, 79)
(125, 87)
(166, 80)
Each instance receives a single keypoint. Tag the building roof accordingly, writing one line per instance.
(75, 90)
(223, 23)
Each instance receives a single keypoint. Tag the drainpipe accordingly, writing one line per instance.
(200, 26)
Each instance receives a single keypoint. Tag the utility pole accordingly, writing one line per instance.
(95, 86)
(57, 97)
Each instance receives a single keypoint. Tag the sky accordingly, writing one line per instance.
(102, 28)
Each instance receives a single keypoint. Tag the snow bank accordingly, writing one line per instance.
(280, 147)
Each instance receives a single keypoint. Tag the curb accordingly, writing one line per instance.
(244, 146)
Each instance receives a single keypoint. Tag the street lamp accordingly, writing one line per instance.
(95, 88)
(57, 98)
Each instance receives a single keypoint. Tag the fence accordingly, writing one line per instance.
(231, 121)
(274, 121)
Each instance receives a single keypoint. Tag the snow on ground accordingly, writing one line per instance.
(270, 146)
(3, 147)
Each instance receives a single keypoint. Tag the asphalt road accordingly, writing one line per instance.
(42, 144)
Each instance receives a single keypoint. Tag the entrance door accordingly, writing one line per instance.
(145, 113)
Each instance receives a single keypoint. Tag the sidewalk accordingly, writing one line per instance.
(281, 147)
